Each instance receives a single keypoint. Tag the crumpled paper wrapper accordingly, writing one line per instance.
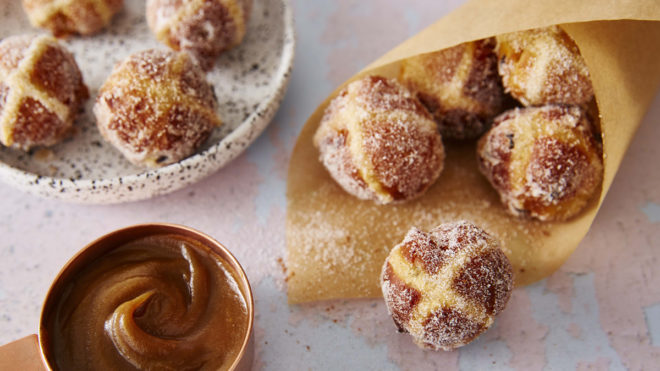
(337, 244)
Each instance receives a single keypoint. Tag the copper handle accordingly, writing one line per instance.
(23, 353)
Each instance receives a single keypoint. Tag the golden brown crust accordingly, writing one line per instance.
(36, 124)
(41, 91)
(68, 17)
(51, 74)
(445, 287)
(460, 86)
(156, 107)
(205, 28)
(378, 142)
(4, 91)
(543, 66)
(478, 281)
(448, 327)
(545, 162)
(425, 252)
(401, 310)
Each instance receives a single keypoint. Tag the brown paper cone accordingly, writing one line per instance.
(337, 243)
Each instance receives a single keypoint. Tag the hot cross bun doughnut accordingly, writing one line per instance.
(445, 287)
(460, 86)
(66, 17)
(204, 27)
(156, 107)
(545, 162)
(379, 142)
(41, 91)
(543, 66)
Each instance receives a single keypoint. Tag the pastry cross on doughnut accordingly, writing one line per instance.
(156, 107)
(41, 90)
(545, 162)
(204, 27)
(445, 287)
(543, 66)
(460, 86)
(379, 143)
(65, 17)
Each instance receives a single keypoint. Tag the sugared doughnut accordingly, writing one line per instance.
(41, 91)
(204, 27)
(66, 17)
(543, 66)
(379, 142)
(460, 86)
(543, 161)
(156, 107)
(445, 287)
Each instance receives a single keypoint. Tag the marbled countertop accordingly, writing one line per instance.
(600, 311)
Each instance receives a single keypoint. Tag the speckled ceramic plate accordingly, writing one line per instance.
(249, 82)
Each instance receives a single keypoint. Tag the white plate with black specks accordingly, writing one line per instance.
(249, 81)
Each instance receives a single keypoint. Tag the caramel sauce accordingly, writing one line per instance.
(163, 302)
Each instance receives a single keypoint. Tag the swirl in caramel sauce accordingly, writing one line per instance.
(163, 302)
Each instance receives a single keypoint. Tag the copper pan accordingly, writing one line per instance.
(34, 352)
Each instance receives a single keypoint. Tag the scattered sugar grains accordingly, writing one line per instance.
(445, 287)
(337, 251)
(328, 249)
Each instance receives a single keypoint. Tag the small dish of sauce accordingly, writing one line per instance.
(163, 301)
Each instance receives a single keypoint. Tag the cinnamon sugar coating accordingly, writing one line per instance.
(460, 86)
(205, 28)
(156, 107)
(67, 17)
(445, 287)
(545, 162)
(41, 91)
(543, 66)
(379, 143)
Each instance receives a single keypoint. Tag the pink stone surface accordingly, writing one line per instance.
(525, 341)
(597, 312)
